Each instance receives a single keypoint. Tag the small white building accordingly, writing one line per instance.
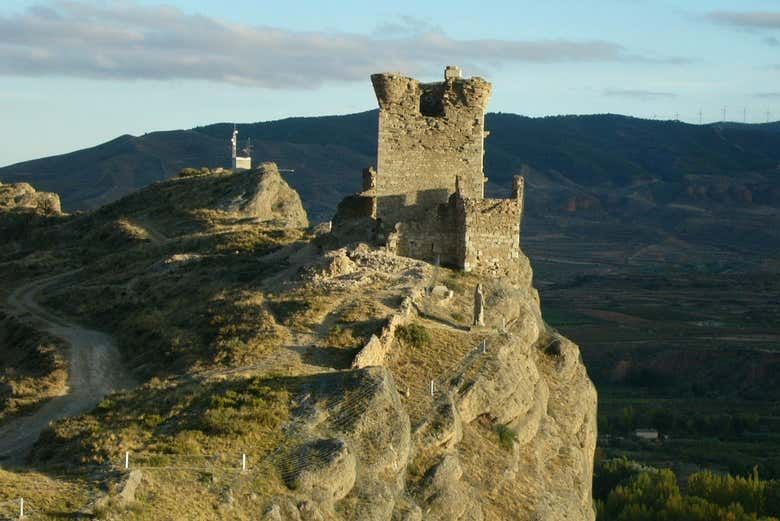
(240, 162)
(646, 434)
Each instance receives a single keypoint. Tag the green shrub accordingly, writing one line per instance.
(413, 335)
(190, 172)
(106, 405)
(151, 421)
(187, 442)
(506, 436)
(222, 421)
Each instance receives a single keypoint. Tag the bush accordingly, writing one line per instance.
(190, 172)
(413, 335)
(187, 442)
(643, 493)
(151, 421)
(506, 436)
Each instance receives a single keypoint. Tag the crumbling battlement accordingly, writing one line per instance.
(428, 133)
(480, 235)
(426, 199)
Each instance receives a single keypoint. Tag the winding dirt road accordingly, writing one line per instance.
(94, 371)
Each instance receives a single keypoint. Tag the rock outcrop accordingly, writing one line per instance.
(354, 444)
(501, 426)
(265, 196)
(22, 196)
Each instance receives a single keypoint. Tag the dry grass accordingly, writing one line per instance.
(33, 367)
(45, 497)
(200, 495)
(490, 468)
(243, 415)
(414, 368)
(356, 321)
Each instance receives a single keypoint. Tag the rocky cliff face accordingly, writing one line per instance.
(493, 422)
(22, 196)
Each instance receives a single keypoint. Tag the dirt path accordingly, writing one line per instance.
(94, 370)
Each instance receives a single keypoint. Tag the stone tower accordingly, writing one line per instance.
(426, 198)
(429, 133)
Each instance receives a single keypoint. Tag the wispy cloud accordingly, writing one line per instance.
(746, 19)
(767, 95)
(642, 95)
(128, 40)
(771, 41)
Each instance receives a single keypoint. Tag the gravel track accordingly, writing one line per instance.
(94, 370)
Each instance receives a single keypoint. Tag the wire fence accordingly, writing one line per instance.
(342, 410)
(17, 509)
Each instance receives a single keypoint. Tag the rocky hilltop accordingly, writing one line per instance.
(351, 377)
(392, 365)
(436, 419)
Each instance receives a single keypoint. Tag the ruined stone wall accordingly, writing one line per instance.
(491, 239)
(428, 134)
(435, 237)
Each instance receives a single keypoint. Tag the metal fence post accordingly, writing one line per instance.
(21, 508)
(243, 462)
(127, 460)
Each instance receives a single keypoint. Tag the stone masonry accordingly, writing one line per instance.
(426, 196)
(428, 133)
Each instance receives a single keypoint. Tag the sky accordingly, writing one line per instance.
(76, 73)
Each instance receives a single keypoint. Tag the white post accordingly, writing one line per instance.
(432, 388)
(503, 324)
(127, 460)
(243, 462)
(21, 508)
(484, 346)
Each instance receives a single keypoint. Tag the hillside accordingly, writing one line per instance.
(660, 193)
(353, 390)
(607, 162)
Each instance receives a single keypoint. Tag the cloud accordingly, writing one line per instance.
(128, 40)
(746, 19)
(767, 95)
(404, 25)
(771, 41)
(642, 95)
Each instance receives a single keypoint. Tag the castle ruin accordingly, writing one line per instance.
(426, 197)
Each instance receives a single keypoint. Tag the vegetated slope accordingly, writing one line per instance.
(32, 367)
(244, 331)
(614, 163)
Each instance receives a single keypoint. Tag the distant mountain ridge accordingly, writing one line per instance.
(599, 166)
(583, 153)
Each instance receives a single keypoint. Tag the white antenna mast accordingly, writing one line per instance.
(234, 142)
(247, 150)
